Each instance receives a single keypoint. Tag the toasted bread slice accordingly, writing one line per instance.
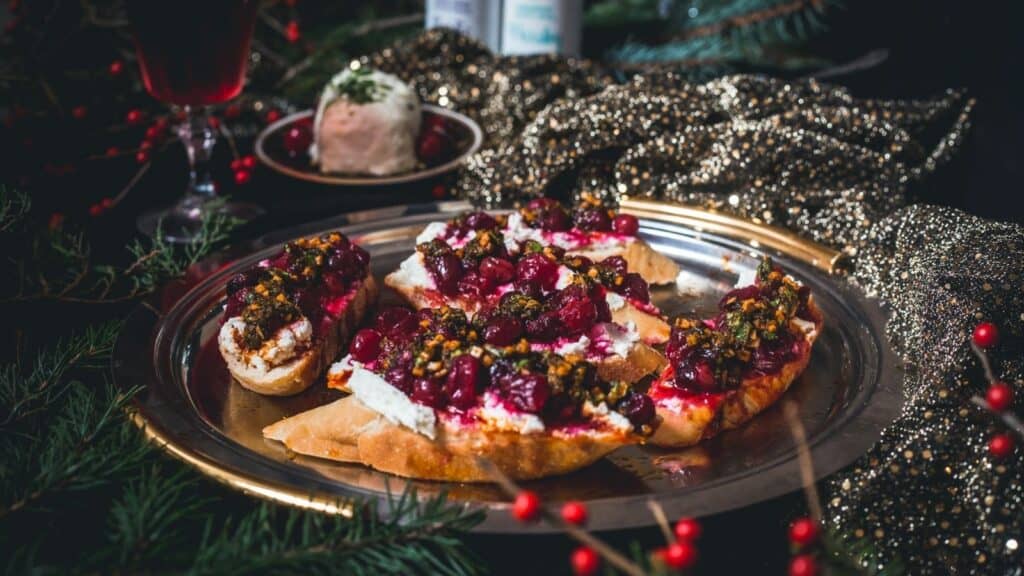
(347, 431)
(685, 423)
(654, 267)
(299, 373)
(652, 329)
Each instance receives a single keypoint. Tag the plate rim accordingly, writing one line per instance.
(369, 181)
(342, 503)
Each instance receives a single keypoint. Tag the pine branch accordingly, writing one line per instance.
(14, 206)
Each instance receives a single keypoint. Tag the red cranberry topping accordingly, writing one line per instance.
(480, 221)
(349, 260)
(309, 300)
(502, 331)
(626, 224)
(475, 285)
(528, 392)
(635, 287)
(497, 270)
(280, 261)
(740, 294)
(639, 408)
(463, 378)
(235, 303)
(597, 296)
(536, 272)
(242, 280)
(549, 215)
(432, 147)
(575, 310)
(365, 346)
(446, 269)
(427, 392)
(335, 282)
(594, 219)
(397, 323)
(400, 378)
(543, 328)
(696, 373)
(616, 264)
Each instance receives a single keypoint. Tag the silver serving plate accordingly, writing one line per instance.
(849, 392)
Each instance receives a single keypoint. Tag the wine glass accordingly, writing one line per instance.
(193, 54)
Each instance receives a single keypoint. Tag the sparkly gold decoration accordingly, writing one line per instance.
(812, 158)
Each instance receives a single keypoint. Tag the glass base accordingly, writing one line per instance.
(181, 224)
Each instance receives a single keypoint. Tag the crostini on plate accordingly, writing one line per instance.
(430, 398)
(472, 262)
(288, 317)
(724, 370)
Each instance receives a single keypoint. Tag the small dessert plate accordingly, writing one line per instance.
(286, 151)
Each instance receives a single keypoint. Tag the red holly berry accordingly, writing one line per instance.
(526, 506)
(297, 139)
(236, 164)
(986, 335)
(95, 210)
(574, 513)
(292, 32)
(439, 191)
(1001, 445)
(79, 112)
(142, 156)
(430, 147)
(232, 111)
(585, 561)
(678, 555)
(213, 122)
(803, 565)
(273, 116)
(154, 132)
(688, 529)
(242, 177)
(134, 116)
(145, 145)
(56, 220)
(803, 531)
(999, 396)
(116, 68)
(161, 123)
(112, 152)
(248, 162)
(290, 3)
(107, 203)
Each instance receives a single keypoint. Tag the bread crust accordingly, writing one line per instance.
(347, 431)
(653, 266)
(652, 329)
(299, 373)
(694, 422)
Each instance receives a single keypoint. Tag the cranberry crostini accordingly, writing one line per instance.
(723, 371)
(288, 317)
(430, 397)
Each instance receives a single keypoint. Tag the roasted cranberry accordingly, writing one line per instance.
(475, 285)
(543, 328)
(740, 294)
(432, 147)
(235, 303)
(576, 311)
(480, 221)
(595, 219)
(639, 408)
(502, 331)
(243, 280)
(400, 378)
(536, 271)
(463, 378)
(351, 261)
(497, 270)
(769, 357)
(597, 296)
(397, 323)
(635, 288)
(281, 261)
(365, 346)
(427, 392)
(308, 300)
(335, 282)
(616, 264)
(446, 269)
(626, 224)
(528, 392)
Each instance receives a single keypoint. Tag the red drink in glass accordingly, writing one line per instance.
(193, 52)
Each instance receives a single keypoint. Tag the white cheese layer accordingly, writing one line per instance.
(432, 231)
(285, 345)
(619, 340)
(614, 300)
(392, 403)
(494, 413)
(613, 419)
(565, 276)
(412, 272)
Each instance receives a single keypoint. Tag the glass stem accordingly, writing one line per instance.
(198, 137)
